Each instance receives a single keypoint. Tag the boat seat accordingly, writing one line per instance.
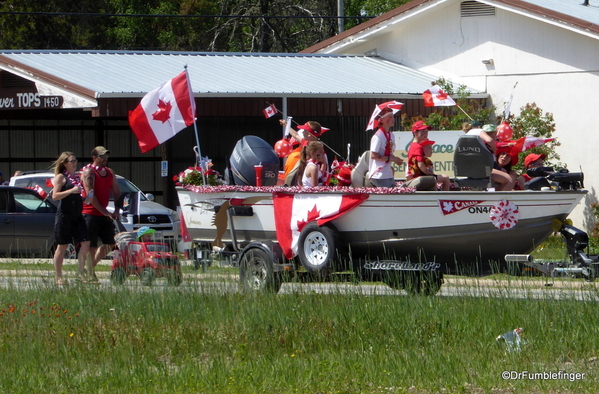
(473, 163)
(359, 175)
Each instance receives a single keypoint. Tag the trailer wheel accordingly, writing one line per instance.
(256, 272)
(118, 276)
(147, 276)
(317, 246)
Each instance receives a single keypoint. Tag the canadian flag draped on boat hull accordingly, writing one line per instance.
(294, 211)
(163, 112)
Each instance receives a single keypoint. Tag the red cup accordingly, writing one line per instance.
(258, 168)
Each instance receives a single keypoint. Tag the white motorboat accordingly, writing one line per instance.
(381, 231)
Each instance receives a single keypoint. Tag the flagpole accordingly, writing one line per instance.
(464, 112)
(294, 121)
(195, 125)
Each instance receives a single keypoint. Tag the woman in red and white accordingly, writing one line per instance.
(310, 166)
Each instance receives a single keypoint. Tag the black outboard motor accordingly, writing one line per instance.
(249, 152)
(567, 180)
(562, 179)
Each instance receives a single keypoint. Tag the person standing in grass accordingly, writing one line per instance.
(69, 226)
(99, 181)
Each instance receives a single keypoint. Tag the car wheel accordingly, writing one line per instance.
(317, 247)
(147, 276)
(118, 276)
(256, 272)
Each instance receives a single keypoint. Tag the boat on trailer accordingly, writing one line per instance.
(404, 237)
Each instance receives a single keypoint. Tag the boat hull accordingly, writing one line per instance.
(451, 228)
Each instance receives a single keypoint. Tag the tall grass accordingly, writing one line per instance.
(195, 339)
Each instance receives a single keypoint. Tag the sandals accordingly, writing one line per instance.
(61, 282)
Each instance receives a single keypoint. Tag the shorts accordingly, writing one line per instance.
(69, 229)
(102, 227)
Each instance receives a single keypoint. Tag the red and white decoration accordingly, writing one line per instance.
(269, 111)
(42, 193)
(453, 206)
(163, 112)
(294, 211)
(395, 106)
(504, 215)
(436, 97)
(529, 142)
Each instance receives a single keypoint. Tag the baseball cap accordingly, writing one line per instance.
(489, 128)
(143, 231)
(316, 133)
(420, 125)
(533, 157)
(99, 151)
(427, 142)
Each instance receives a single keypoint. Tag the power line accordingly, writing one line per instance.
(180, 16)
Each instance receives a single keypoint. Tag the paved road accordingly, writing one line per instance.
(534, 288)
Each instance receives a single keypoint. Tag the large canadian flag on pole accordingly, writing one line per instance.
(163, 112)
(294, 211)
(436, 97)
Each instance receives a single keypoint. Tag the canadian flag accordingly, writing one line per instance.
(529, 142)
(436, 97)
(294, 211)
(163, 112)
(42, 193)
(269, 111)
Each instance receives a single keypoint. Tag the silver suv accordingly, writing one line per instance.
(162, 219)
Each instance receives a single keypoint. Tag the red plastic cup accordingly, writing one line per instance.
(258, 168)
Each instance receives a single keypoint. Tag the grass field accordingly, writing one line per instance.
(79, 339)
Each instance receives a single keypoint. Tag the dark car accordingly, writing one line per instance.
(26, 223)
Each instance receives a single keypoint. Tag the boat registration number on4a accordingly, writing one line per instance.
(394, 265)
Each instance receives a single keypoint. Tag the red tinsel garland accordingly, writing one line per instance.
(299, 189)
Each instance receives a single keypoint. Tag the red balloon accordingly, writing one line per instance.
(283, 148)
(504, 132)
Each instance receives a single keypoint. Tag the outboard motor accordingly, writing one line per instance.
(562, 179)
(567, 180)
(249, 152)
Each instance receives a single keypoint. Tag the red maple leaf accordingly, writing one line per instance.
(164, 111)
(313, 214)
(442, 95)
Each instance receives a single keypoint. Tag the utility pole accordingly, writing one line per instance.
(341, 15)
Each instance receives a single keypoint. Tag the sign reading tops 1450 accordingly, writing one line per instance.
(30, 101)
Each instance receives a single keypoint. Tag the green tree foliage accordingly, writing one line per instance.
(368, 9)
(184, 25)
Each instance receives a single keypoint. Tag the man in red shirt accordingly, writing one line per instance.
(99, 181)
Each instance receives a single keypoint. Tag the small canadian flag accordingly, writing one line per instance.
(42, 193)
(269, 111)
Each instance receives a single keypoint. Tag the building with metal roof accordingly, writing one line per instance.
(54, 100)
